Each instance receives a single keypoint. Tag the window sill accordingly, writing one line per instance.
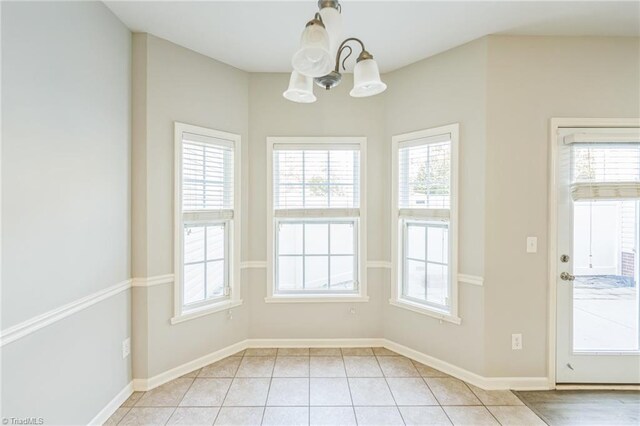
(415, 307)
(206, 310)
(316, 298)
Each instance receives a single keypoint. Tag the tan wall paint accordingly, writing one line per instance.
(334, 114)
(495, 87)
(529, 81)
(444, 89)
(179, 85)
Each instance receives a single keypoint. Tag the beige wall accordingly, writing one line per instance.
(444, 89)
(334, 114)
(529, 81)
(176, 84)
(502, 91)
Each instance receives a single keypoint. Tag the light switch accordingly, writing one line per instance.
(532, 244)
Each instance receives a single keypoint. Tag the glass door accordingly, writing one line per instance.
(598, 302)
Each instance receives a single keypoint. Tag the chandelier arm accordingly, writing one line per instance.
(346, 57)
(341, 48)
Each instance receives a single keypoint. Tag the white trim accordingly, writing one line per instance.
(144, 385)
(234, 237)
(598, 387)
(316, 343)
(471, 279)
(113, 405)
(424, 310)
(152, 281)
(316, 298)
(396, 254)
(382, 264)
(552, 232)
(253, 264)
(31, 325)
(208, 309)
(328, 143)
(488, 383)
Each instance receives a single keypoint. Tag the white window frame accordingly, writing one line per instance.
(397, 226)
(326, 143)
(232, 231)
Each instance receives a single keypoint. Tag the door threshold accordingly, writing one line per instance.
(596, 386)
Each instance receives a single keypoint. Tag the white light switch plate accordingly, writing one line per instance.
(532, 244)
(126, 347)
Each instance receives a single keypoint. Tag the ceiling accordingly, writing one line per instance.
(261, 36)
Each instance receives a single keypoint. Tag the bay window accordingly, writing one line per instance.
(424, 215)
(316, 220)
(207, 202)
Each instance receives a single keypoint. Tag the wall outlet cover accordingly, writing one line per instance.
(126, 347)
(516, 342)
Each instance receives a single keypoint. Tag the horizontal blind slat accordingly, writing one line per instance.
(316, 178)
(424, 178)
(207, 173)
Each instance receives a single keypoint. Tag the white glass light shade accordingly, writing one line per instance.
(332, 20)
(366, 79)
(300, 89)
(313, 59)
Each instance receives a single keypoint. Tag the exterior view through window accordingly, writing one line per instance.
(316, 195)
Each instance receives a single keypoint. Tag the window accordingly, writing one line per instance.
(424, 213)
(316, 194)
(207, 219)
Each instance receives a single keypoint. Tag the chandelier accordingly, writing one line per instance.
(319, 44)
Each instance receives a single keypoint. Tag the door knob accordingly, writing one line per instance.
(567, 276)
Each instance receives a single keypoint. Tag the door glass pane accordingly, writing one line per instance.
(605, 290)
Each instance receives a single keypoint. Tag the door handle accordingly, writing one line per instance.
(565, 276)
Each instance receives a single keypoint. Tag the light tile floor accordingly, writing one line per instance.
(328, 386)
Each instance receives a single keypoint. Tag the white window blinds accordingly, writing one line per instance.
(424, 178)
(207, 173)
(605, 166)
(311, 179)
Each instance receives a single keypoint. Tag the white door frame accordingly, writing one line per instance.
(555, 124)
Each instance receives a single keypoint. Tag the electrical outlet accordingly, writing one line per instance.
(532, 244)
(126, 347)
(516, 342)
(352, 311)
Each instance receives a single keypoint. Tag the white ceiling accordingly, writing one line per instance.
(261, 36)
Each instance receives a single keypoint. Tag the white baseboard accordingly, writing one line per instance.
(597, 387)
(113, 405)
(188, 367)
(487, 383)
(315, 343)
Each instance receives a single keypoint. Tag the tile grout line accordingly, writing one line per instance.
(481, 402)
(181, 399)
(344, 366)
(228, 389)
(266, 401)
(389, 387)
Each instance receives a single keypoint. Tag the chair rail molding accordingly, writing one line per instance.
(34, 324)
(471, 279)
(152, 281)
